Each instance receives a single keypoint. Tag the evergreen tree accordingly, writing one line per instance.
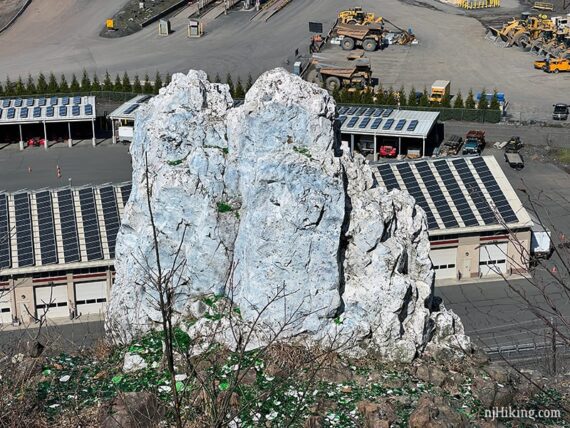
(424, 99)
(85, 82)
(63, 85)
(230, 83)
(157, 82)
(239, 92)
(390, 98)
(1, 90)
(470, 100)
(42, 86)
(402, 96)
(249, 83)
(446, 101)
(483, 102)
(19, 87)
(495, 104)
(380, 96)
(126, 86)
(74, 85)
(458, 102)
(147, 87)
(412, 97)
(95, 84)
(343, 96)
(107, 82)
(8, 87)
(168, 79)
(52, 86)
(336, 94)
(137, 88)
(30, 85)
(217, 79)
(118, 85)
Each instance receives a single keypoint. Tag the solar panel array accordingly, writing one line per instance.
(380, 120)
(453, 192)
(37, 109)
(60, 226)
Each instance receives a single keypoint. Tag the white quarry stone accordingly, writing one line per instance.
(133, 362)
(264, 206)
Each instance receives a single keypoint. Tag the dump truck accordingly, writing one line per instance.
(439, 90)
(356, 74)
(369, 37)
(357, 16)
(474, 142)
(555, 65)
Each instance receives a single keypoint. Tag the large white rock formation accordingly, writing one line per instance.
(260, 201)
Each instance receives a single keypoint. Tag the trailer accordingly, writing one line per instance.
(541, 239)
(514, 160)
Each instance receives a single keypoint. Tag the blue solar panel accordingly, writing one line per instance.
(1, 113)
(6, 103)
(364, 122)
(53, 101)
(369, 111)
(360, 111)
(352, 110)
(144, 99)
(37, 111)
(46, 226)
(414, 189)
(90, 224)
(110, 216)
(132, 108)
(24, 238)
(126, 193)
(5, 259)
(68, 226)
(62, 110)
(18, 103)
(376, 123)
(412, 126)
(341, 120)
(378, 112)
(49, 111)
(42, 102)
(29, 102)
(75, 111)
(11, 113)
(88, 110)
(24, 113)
(388, 124)
(400, 124)
(76, 100)
(342, 110)
(352, 122)
(387, 112)
(65, 101)
(388, 177)
(434, 189)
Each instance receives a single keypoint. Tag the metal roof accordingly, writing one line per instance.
(14, 111)
(386, 122)
(464, 194)
(51, 229)
(127, 110)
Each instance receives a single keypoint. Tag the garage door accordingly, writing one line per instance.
(444, 261)
(90, 297)
(5, 308)
(53, 299)
(493, 259)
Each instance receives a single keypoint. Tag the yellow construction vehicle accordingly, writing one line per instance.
(357, 16)
(522, 32)
(557, 64)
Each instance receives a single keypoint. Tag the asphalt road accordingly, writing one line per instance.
(82, 164)
(62, 36)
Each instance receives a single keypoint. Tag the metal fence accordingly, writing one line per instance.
(102, 96)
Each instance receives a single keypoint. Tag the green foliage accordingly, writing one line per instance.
(402, 96)
(446, 101)
(483, 102)
(458, 101)
(147, 86)
(390, 99)
(495, 104)
(249, 83)
(107, 83)
(53, 86)
(336, 94)
(157, 82)
(137, 87)
(303, 151)
(217, 79)
(9, 87)
(380, 97)
(85, 82)
(412, 98)
(366, 97)
(230, 83)
(224, 207)
(20, 88)
(30, 85)
(42, 86)
(95, 84)
(74, 85)
(167, 79)
(127, 86)
(118, 85)
(239, 92)
(424, 99)
(470, 100)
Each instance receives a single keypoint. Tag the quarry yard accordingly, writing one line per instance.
(63, 37)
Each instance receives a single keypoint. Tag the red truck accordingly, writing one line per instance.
(474, 143)
(387, 151)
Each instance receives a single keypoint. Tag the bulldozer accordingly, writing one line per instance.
(357, 16)
(332, 76)
(523, 32)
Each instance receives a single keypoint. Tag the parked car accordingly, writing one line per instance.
(387, 151)
(36, 141)
(560, 112)
(514, 145)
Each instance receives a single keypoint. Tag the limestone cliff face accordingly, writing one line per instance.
(261, 200)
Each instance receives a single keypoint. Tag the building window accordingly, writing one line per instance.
(492, 262)
(449, 266)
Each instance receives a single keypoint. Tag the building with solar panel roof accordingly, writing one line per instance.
(25, 114)
(57, 250)
(477, 225)
(366, 129)
(123, 118)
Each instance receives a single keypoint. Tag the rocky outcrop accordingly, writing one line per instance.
(260, 204)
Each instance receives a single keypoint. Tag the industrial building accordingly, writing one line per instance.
(57, 249)
(123, 118)
(476, 223)
(23, 119)
(411, 132)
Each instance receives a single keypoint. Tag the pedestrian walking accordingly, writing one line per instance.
(58, 172)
